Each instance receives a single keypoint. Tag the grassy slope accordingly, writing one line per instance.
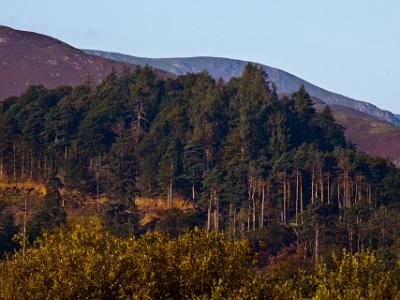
(80, 209)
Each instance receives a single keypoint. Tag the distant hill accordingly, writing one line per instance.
(368, 133)
(227, 68)
(28, 58)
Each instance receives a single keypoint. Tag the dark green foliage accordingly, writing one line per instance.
(120, 220)
(224, 145)
(122, 167)
(51, 215)
(390, 188)
(194, 167)
(8, 229)
(175, 222)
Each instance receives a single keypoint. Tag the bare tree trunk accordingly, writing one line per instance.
(352, 193)
(39, 166)
(193, 192)
(45, 167)
(230, 232)
(350, 230)
(216, 214)
(288, 199)
(98, 183)
(259, 201)
(149, 186)
(348, 195)
(316, 188)
(65, 152)
(31, 166)
(329, 188)
(356, 191)
(170, 194)
(215, 219)
(262, 206)
(248, 204)
(234, 222)
(168, 198)
(284, 198)
(209, 214)
(248, 217)
(24, 229)
(254, 205)
(22, 166)
(15, 164)
(344, 192)
(321, 178)
(301, 197)
(267, 197)
(312, 184)
(297, 194)
(338, 194)
(316, 245)
(369, 194)
(2, 167)
(358, 233)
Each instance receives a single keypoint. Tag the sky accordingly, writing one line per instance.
(350, 47)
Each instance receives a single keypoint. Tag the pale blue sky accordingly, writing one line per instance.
(347, 46)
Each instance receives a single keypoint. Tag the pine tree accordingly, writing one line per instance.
(123, 167)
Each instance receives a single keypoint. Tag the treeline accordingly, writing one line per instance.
(254, 160)
(82, 263)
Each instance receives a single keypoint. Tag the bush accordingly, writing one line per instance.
(85, 263)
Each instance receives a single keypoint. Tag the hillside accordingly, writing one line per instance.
(369, 134)
(191, 137)
(227, 68)
(28, 58)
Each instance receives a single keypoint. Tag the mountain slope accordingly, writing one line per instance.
(368, 133)
(29, 58)
(227, 68)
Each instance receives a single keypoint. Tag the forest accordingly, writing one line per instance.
(281, 201)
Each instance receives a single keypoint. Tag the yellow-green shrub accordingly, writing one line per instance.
(86, 263)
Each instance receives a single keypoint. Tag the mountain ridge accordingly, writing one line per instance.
(226, 68)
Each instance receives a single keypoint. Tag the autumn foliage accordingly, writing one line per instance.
(85, 263)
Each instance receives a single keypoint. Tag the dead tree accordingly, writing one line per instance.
(209, 213)
(301, 198)
(321, 184)
(329, 188)
(262, 205)
(284, 198)
(313, 184)
(15, 164)
(297, 195)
